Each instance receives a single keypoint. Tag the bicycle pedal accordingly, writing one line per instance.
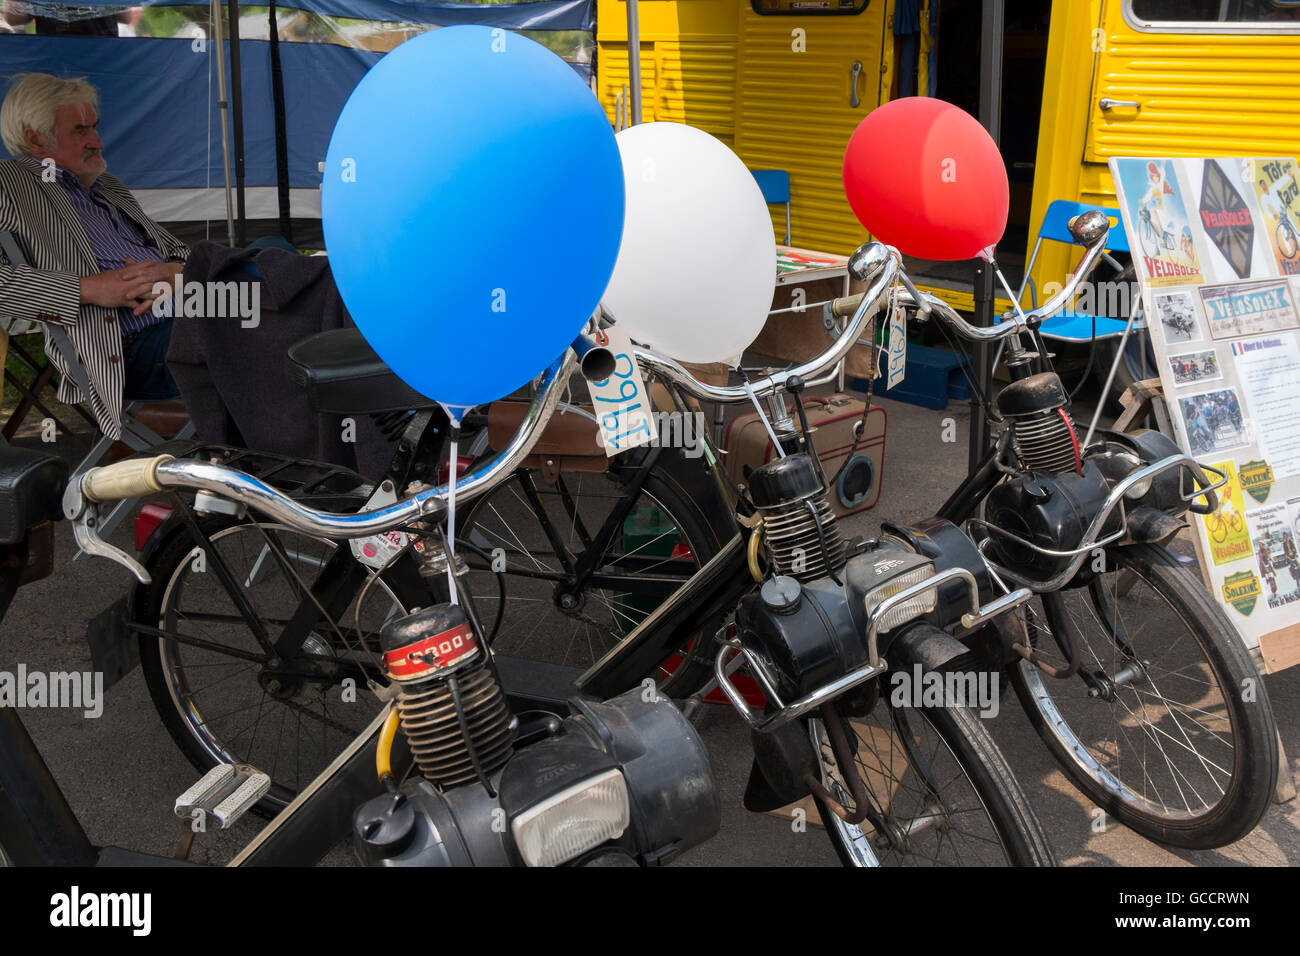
(225, 793)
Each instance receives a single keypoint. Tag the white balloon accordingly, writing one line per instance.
(697, 268)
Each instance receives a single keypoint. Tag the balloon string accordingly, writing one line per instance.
(451, 523)
(1015, 304)
(762, 416)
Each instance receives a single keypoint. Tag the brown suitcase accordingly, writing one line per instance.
(832, 419)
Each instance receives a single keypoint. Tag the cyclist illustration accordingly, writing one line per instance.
(1185, 245)
(1152, 209)
(1265, 557)
(1286, 236)
(1222, 523)
(1292, 556)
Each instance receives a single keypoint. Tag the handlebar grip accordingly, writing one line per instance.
(845, 307)
(123, 479)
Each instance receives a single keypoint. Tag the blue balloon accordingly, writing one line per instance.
(473, 210)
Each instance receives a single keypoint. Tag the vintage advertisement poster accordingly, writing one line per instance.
(1161, 235)
(1226, 338)
(1248, 308)
(1277, 191)
(1226, 527)
(1227, 220)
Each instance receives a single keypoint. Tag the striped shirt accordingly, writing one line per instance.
(114, 239)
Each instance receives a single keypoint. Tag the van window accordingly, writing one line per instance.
(808, 7)
(1207, 14)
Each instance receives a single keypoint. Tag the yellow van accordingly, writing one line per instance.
(784, 83)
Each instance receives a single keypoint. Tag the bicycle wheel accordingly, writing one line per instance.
(1167, 726)
(226, 702)
(938, 790)
(585, 561)
(1286, 240)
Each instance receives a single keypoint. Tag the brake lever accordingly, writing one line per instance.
(84, 516)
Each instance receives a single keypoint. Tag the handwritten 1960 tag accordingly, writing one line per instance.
(622, 405)
(897, 347)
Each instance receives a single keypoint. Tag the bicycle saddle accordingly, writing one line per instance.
(343, 376)
(31, 490)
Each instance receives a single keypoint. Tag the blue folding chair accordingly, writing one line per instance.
(775, 184)
(1071, 325)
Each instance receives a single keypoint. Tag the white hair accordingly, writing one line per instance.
(31, 103)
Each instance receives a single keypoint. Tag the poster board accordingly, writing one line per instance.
(1216, 245)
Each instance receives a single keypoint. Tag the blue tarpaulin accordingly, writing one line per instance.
(158, 120)
(541, 15)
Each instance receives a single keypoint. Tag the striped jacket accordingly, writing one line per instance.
(40, 215)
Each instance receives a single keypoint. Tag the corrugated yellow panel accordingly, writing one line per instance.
(794, 111)
(1201, 94)
(688, 61)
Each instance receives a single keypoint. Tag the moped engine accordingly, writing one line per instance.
(452, 710)
(1042, 432)
(824, 615)
(619, 782)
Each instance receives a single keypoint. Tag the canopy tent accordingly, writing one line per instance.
(159, 118)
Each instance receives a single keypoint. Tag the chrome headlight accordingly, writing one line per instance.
(896, 572)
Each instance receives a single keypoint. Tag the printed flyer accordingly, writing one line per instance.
(1275, 555)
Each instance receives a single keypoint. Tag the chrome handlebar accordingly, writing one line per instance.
(873, 262)
(1091, 228)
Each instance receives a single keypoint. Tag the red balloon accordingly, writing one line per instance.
(925, 176)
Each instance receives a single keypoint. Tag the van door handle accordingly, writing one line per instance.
(854, 73)
(1106, 103)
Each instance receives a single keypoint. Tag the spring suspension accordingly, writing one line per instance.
(451, 708)
(802, 537)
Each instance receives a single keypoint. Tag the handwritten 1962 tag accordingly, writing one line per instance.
(622, 405)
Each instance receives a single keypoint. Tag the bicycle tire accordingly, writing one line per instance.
(168, 665)
(507, 518)
(1090, 746)
(1000, 813)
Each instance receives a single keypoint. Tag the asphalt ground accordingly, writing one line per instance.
(121, 771)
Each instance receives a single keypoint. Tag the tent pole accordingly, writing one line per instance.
(281, 134)
(237, 104)
(991, 37)
(634, 61)
(223, 108)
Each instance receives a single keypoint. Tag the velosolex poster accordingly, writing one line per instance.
(1216, 245)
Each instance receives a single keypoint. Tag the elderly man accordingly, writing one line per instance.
(97, 260)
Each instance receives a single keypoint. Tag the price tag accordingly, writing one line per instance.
(622, 405)
(897, 347)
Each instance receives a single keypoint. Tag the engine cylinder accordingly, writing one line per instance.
(452, 709)
(802, 536)
(1042, 432)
